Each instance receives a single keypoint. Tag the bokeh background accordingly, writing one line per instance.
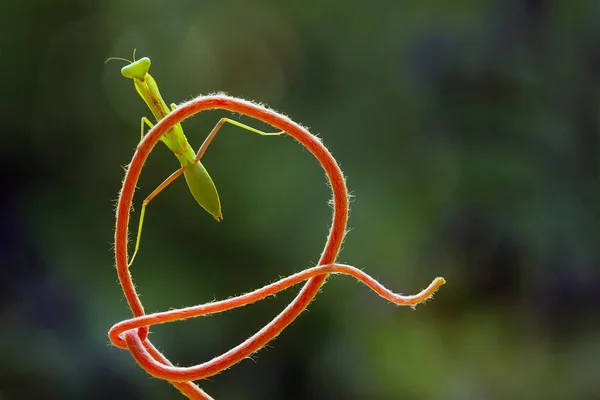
(469, 135)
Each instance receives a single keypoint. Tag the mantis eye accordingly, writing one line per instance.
(137, 69)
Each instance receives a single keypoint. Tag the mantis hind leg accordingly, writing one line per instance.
(218, 126)
(148, 199)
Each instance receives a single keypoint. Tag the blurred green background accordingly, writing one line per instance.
(469, 136)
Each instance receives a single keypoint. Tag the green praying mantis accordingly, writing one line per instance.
(198, 180)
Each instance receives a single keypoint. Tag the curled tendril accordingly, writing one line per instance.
(132, 334)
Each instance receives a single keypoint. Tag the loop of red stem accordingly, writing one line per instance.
(133, 333)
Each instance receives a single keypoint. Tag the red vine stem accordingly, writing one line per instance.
(132, 334)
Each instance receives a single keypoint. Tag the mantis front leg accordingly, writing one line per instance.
(145, 121)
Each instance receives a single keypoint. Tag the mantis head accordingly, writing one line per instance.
(137, 69)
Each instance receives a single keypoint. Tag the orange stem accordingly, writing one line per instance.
(133, 333)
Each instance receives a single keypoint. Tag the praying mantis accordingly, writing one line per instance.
(198, 180)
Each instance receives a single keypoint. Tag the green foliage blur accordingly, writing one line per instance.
(469, 134)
